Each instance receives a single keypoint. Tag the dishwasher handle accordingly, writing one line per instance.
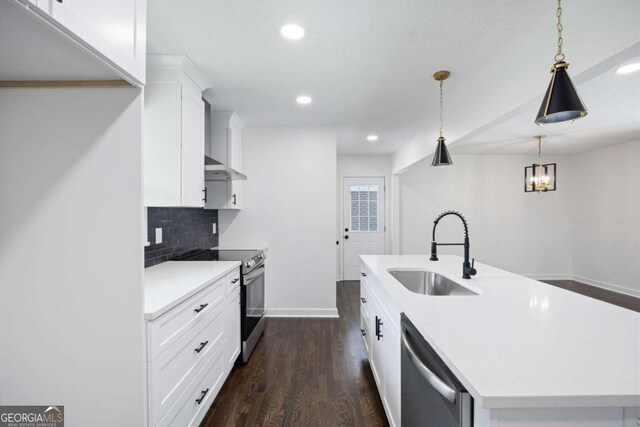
(440, 386)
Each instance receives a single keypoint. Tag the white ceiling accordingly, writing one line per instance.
(368, 64)
(613, 102)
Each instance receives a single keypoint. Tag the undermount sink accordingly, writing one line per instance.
(429, 283)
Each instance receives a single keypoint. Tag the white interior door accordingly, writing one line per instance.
(363, 221)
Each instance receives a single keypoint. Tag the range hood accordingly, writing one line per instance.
(217, 171)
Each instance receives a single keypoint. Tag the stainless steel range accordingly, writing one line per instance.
(252, 270)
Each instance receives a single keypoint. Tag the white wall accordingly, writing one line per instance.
(522, 232)
(605, 217)
(71, 298)
(289, 205)
(362, 166)
(588, 230)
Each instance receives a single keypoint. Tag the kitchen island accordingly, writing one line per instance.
(526, 351)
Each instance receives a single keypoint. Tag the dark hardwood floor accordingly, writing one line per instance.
(304, 372)
(622, 300)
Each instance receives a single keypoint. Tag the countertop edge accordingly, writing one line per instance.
(561, 401)
(156, 314)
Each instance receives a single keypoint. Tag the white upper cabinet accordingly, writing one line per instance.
(225, 147)
(114, 31)
(174, 130)
(226, 138)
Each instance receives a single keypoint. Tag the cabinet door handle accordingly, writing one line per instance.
(235, 199)
(204, 393)
(205, 194)
(202, 345)
(202, 306)
(234, 281)
(363, 300)
(363, 274)
(378, 327)
(363, 332)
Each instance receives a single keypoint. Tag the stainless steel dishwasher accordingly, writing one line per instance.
(431, 395)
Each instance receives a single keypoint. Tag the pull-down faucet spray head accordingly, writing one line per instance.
(467, 268)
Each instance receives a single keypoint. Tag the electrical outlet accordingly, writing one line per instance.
(214, 228)
(158, 235)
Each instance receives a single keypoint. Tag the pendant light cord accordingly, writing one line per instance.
(441, 107)
(559, 56)
(540, 150)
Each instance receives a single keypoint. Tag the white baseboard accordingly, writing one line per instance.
(587, 281)
(609, 286)
(302, 312)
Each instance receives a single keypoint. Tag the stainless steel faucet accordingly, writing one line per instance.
(467, 268)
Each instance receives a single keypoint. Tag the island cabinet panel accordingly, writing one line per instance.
(380, 319)
(365, 316)
(114, 30)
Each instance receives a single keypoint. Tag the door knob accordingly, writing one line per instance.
(346, 237)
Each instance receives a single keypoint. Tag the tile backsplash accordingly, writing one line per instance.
(183, 229)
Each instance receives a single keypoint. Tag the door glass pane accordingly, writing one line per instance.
(355, 224)
(364, 208)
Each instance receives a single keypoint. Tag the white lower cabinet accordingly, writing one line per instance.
(382, 319)
(192, 350)
(202, 391)
(232, 321)
(391, 369)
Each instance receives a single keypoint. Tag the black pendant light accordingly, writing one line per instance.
(441, 157)
(561, 101)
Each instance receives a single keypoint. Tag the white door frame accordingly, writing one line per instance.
(341, 226)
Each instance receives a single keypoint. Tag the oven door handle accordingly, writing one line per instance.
(440, 386)
(253, 275)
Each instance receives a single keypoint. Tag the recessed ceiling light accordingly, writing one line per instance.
(372, 138)
(629, 68)
(292, 32)
(303, 99)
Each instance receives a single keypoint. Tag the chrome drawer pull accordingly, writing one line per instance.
(202, 306)
(202, 345)
(204, 393)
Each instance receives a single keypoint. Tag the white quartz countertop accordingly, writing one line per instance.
(521, 343)
(168, 284)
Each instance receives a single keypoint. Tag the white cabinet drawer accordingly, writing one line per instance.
(195, 401)
(364, 328)
(233, 280)
(168, 328)
(175, 369)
